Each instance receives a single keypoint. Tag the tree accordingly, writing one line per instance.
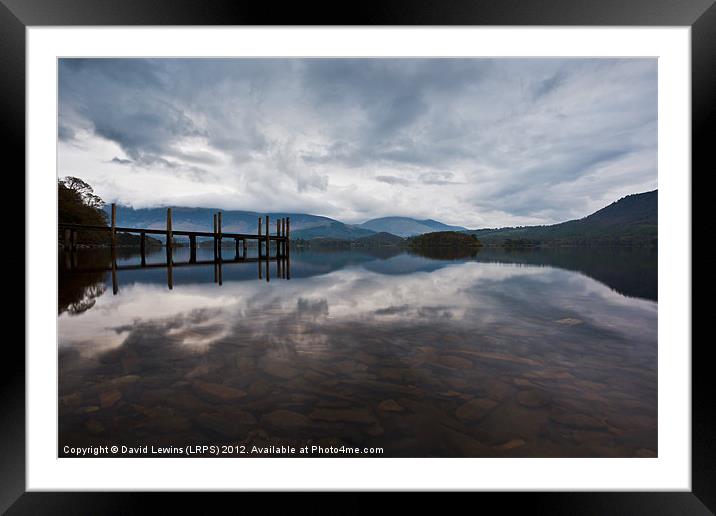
(85, 192)
(77, 204)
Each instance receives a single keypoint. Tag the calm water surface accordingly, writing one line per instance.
(526, 353)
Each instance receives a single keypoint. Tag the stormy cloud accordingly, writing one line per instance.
(474, 142)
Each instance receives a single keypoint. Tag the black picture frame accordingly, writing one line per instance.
(700, 15)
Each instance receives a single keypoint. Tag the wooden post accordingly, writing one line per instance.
(142, 247)
(236, 250)
(278, 234)
(286, 237)
(192, 248)
(258, 240)
(114, 224)
(73, 240)
(283, 234)
(246, 247)
(268, 246)
(218, 225)
(215, 250)
(66, 240)
(169, 235)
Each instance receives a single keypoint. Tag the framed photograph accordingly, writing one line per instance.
(413, 250)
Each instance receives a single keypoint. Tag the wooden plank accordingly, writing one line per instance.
(142, 247)
(150, 231)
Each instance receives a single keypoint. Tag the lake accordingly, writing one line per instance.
(496, 353)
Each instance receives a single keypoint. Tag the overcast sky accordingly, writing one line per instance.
(474, 142)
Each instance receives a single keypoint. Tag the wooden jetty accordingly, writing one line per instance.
(263, 238)
(281, 238)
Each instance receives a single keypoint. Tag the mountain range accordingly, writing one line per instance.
(632, 219)
(303, 226)
(407, 227)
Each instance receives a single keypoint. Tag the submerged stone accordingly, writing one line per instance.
(109, 398)
(532, 398)
(234, 425)
(390, 406)
(453, 362)
(286, 420)
(219, 391)
(280, 370)
(356, 415)
(94, 426)
(579, 421)
(510, 445)
(476, 409)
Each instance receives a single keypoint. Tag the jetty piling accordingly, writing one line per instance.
(114, 224)
(258, 238)
(170, 236)
(218, 245)
(215, 250)
(268, 245)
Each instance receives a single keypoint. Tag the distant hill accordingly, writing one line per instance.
(333, 230)
(372, 241)
(632, 220)
(381, 239)
(405, 226)
(444, 239)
